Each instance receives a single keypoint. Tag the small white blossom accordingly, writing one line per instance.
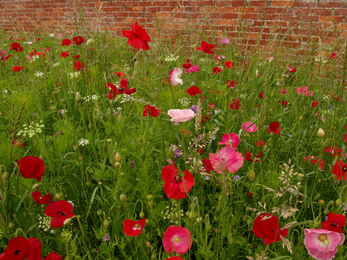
(83, 142)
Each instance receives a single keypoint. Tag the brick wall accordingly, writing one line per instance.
(267, 22)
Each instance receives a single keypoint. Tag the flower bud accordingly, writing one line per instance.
(150, 203)
(300, 176)
(321, 203)
(117, 157)
(142, 214)
(76, 147)
(301, 118)
(192, 215)
(99, 212)
(120, 118)
(5, 176)
(148, 244)
(67, 221)
(123, 198)
(36, 185)
(106, 223)
(149, 196)
(90, 126)
(109, 140)
(321, 133)
(249, 222)
(11, 225)
(57, 197)
(338, 202)
(251, 175)
(199, 220)
(117, 165)
(78, 97)
(99, 183)
(121, 174)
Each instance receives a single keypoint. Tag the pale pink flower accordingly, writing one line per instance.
(322, 244)
(225, 41)
(181, 115)
(250, 127)
(301, 90)
(177, 239)
(175, 76)
(226, 159)
(231, 140)
(270, 58)
(192, 69)
(309, 93)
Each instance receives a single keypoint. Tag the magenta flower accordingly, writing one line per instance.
(181, 115)
(175, 78)
(226, 159)
(231, 140)
(225, 41)
(250, 127)
(192, 69)
(322, 244)
(177, 239)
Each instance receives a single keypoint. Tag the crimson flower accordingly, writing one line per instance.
(53, 256)
(318, 162)
(187, 65)
(340, 168)
(229, 64)
(59, 211)
(235, 104)
(120, 74)
(16, 47)
(17, 68)
(66, 42)
(207, 165)
(249, 157)
(175, 258)
(176, 187)
(346, 138)
(19, 248)
(231, 83)
(78, 40)
(3, 58)
(260, 143)
(216, 70)
(291, 69)
(333, 55)
(266, 226)
(275, 128)
(39, 199)
(78, 65)
(121, 90)
(314, 104)
(334, 223)
(18, 143)
(261, 95)
(76, 56)
(333, 150)
(137, 37)
(283, 102)
(205, 47)
(194, 90)
(31, 167)
(64, 54)
(150, 111)
(133, 227)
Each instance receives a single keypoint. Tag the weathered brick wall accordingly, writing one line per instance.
(264, 21)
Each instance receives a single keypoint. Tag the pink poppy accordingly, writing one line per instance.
(225, 41)
(322, 244)
(291, 69)
(181, 115)
(250, 127)
(192, 69)
(175, 258)
(231, 140)
(226, 159)
(177, 239)
(301, 90)
(175, 78)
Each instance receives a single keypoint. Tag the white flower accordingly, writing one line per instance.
(175, 77)
(27, 42)
(38, 74)
(90, 41)
(171, 58)
(75, 74)
(56, 64)
(51, 35)
(83, 142)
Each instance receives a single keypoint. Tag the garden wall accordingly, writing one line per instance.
(265, 22)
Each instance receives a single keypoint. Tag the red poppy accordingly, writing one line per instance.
(307, 157)
(333, 150)
(66, 42)
(211, 105)
(229, 64)
(187, 65)
(216, 70)
(231, 83)
(19, 248)
(261, 95)
(176, 186)
(76, 56)
(133, 227)
(121, 90)
(235, 104)
(250, 159)
(5, 57)
(259, 143)
(120, 74)
(175, 258)
(207, 165)
(205, 118)
(64, 54)
(78, 40)
(31, 167)
(275, 128)
(318, 162)
(53, 256)
(39, 199)
(291, 69)
(333, 56)
(194, 90)
(150, 111)
(340, 168)
(314, 104)
(205, 47)
(334, 223)
(59, 211)
(283, 102)
(346, 138)
(16, 47)
(78, 65)
(266, 226)
(18, 143)
(17, 68)
(138, 37)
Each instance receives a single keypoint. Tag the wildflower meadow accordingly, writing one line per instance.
(133, 147)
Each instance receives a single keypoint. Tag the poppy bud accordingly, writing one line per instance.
(199, 220)
(123, 198)
(321, 203)
(148, 244)
(67, 221)
(244, 218)
(149, 196)
(321, 133)
(99, 212)
(106, 223)
(153, 257)
(57, 197)
(78, 97)
(251, 175)
(230, 238)
(142, 214)
(249, 222)
(120, 118)
(300, 176)
(5, 176)
(338, 202)
(76, 147)
(301, 118)
(117, 157)
(117, 165)
(121, 174)
(11, 225)
(99, 183)
(192, 215)
(36, 185)
(90, 126)
(109, 140)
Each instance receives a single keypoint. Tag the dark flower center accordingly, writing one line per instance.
(344, 168)
(17, 252)
(61, 213)
(178, 179)
(334, 224)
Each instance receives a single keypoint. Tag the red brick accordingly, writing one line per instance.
(282, 3)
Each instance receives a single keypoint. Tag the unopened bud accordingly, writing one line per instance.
(249, 222)
(35, 186)
(338, 202)
(149, 196)
(123, 198)
(90, 126)
(109, 140)
(321, 203)
(67, 221)
(106, 223)
(57, 197)
(148, 244)
(99, 212)
(321, 133)
(120, 118)
(99, 183)
(121, 174)
(76, 147)
(11, 225)
(142, 214)
(5, 176)
(199, 220)
(301, 118)
(300, 176)
(117, 165)
(117, 157)
(251, 175)
(78, 97)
